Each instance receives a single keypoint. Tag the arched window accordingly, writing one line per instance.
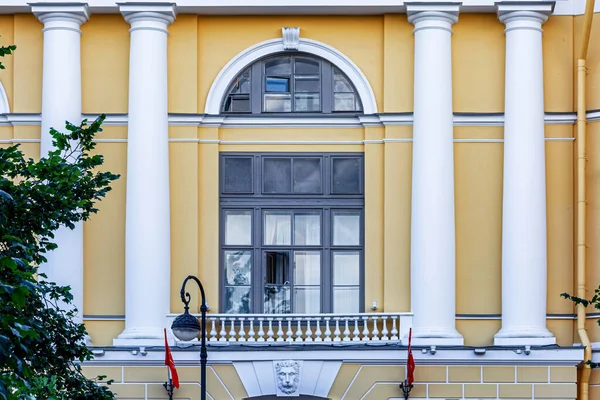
(297, 83)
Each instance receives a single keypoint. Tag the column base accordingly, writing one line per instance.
(524, 337)
(140, 337)
(435, 337)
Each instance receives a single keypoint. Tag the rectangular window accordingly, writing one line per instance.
(294, 245)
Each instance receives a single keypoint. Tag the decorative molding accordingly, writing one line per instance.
(320, 121)
(243, 358)
(291, 38)
(4, 106)
(254, 53)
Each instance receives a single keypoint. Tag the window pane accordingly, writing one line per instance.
(307, 175)
(237, 175)
(307, 102)
(277, 175)
(238, 300)
(309, 84)
(346, 229)
(307, 229)
(307, 300)
(241, 84)
(346, 300)
(278, 66)
(277, 300)
(346, 268)
(238, 267)
(277, 85)
(341, 84)
(277, 229)
(306, 66)
(344, 102)
(238, 228)
(278, 103)
(307, 268)
(237, 103)
(346, 175)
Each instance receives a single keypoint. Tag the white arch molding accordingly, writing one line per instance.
(4, 107)
(254, 53)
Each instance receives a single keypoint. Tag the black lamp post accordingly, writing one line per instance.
(185, 327)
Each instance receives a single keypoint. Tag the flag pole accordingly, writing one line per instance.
(169, 385)
(409, 377)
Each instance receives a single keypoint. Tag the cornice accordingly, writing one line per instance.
(320, 121)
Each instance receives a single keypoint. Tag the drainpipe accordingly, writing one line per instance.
(581, 200)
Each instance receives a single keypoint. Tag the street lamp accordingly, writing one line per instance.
(185, 327)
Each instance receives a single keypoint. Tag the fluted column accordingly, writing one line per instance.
(147, 206)
(524, 196)
(432, 211)
(61, 101)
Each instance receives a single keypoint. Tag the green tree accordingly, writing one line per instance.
(41, 347)
(595, 302)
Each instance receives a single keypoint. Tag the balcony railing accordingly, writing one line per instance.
(305, 328)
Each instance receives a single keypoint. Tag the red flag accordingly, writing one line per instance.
(170, 363)
(410, 362)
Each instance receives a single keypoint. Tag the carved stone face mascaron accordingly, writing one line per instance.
(288, 376)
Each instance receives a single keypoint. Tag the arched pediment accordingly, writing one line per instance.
(261, 50)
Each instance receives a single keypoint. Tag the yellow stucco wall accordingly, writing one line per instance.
(382, 47)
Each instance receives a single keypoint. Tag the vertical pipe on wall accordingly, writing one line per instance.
(581, 200)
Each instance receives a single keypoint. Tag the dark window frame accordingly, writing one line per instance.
(258, 88)
(326, 204)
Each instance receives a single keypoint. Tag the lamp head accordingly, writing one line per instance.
(185, 327)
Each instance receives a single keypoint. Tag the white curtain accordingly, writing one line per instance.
(238, 228)
(307, 229)
(278, 229)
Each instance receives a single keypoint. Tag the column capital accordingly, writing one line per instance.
(432, 15)
(524, 14)
(69, 16)
(148, 16)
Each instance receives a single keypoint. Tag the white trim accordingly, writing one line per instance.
(289, 142)
(252, 54)
(4, 106)
(369, 355)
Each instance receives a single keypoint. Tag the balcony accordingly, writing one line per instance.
(302, 329)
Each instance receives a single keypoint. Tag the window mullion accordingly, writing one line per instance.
(256, 88)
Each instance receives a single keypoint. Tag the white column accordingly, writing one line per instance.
(61, 101)
(432, 216)
(524, 195)
(147, 207)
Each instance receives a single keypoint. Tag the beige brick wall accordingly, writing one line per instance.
(355, 381)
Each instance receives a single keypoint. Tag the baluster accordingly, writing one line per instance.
(242, 331)
(346, 331)
(279, 330)
(356, 333)
(394, 330)
(289, 332)
(318, 332)
(223, 333)
(337, 330)
(270, 332)
(251, 332)
(375, 329)
(261, 332)
(299, 330)
(384, 331)
(327, 330)
(213, 331)
(232, 333)
(308, 332)
(366, 332)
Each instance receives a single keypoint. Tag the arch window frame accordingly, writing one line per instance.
(257, 76)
